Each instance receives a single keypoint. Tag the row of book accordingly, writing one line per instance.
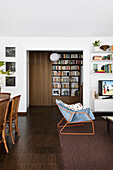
(65, 85)
(56, 79)
(56, 73)
(75, 67)
(74, 79)
(76, 62)
(63, 79)
(107, 68)
(62, 56)
(107, 57)
(65, 73)
(73, 85)
(68, 62)
(65, 67)
(58, 85)
(74, 73)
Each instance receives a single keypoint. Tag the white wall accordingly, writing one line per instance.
(25, 44)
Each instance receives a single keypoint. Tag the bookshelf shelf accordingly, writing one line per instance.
(100, 61)
(101, 52)
(68, 75)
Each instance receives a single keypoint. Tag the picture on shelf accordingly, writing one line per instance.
(10, 51)
(10, 81)
(56, 92)
(11, 66)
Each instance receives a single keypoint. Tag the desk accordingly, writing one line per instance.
(109, 119)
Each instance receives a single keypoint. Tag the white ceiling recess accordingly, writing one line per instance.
(56, 18)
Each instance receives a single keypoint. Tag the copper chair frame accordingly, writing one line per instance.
(68, 124)
(3, 125)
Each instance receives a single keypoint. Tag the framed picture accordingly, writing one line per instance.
(10, 51)
(10, 81)
(55, 92)
(11, 66)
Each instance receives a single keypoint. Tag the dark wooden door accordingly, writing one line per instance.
(40, 79)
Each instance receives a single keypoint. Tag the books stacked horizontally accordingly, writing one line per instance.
(107, 57)
(97, 57)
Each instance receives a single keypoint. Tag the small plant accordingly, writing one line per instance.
(96, 43)
(2, 72)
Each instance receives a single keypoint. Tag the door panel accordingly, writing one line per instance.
(40, 79)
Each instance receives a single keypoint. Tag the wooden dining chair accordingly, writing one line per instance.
(5, 95)
(13, 117)
(3, 114)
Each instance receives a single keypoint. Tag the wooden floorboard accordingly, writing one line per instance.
(38, 147)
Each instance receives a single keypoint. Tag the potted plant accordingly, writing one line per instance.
(96, 45)
(2, 73)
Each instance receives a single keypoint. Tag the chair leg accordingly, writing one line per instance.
(66, 125)
(11, 134)
(16, 126)
(4, 141)
(58, 125)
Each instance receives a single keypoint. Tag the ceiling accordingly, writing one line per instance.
(56, 18)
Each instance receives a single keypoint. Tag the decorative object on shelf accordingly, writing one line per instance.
(96, 45)
(2, 73)
(10, 51)
(65, 93)
(95, 95)
(104, 47)
(54, 57)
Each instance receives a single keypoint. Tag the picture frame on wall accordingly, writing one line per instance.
(10, 81)
(11, 66)
(10, 51)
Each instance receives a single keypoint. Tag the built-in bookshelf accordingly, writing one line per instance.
(66, 74)
(102, 62)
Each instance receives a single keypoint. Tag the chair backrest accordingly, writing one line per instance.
(65, 111)
(3, 111)
(5, 95)
(15, 105)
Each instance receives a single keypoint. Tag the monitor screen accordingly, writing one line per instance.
(107, 88)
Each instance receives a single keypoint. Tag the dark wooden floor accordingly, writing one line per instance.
(38, 147)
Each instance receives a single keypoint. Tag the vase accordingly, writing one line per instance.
(96, 48)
